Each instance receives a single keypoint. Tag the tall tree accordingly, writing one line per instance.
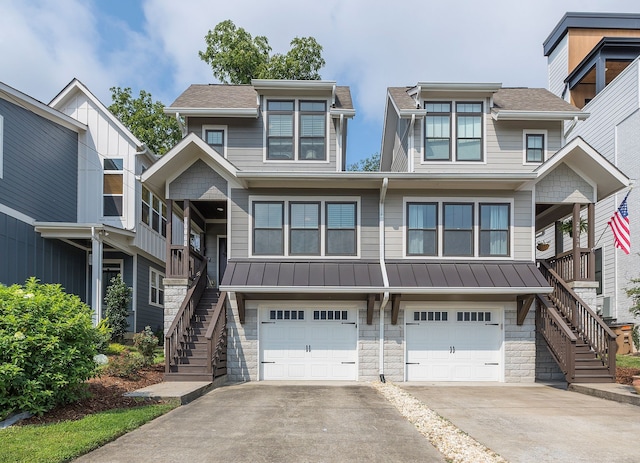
(370, 164)
(236, 57)
(146, 119)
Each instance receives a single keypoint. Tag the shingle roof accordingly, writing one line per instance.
(529, 99)
(225, 96)
(401, 98)
(217, 96)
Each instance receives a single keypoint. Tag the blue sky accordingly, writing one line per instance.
(369, 45)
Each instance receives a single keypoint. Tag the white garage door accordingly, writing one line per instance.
(453, 345)
(308, 344)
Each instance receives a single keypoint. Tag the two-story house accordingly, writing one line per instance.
(74, 209)
(423, 271)
(593, 62)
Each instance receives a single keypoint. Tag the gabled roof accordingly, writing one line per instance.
(180, 158)
(590, 164)
(76, 86)
(16, 97)
(521, 103)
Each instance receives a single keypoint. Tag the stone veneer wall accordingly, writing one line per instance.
(175, 290)
(519, 347)
(393, 346)
(242, 343)
(368, 348)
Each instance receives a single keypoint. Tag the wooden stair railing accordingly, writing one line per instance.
(591, 328)
(178, 333)
(561, 340)
(216, 337)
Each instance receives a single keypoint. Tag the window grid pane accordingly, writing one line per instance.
(312, 131)
(305, 228)
(494, 229)
(280, 130)
(458, 230)
(268, 228)
(469, 131)
(438, 131)
(535, 147)
(421, 229)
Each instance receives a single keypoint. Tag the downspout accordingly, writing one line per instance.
(340, 164)
(385, 277)
(183, 129)
(410, 143)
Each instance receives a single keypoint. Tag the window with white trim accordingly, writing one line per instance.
(457, 227)
(156, 287)
(154, 212)
(313, 118)
(268, 228)
(304, 229)
(215, 137)
(280, 130)
(113, 187)
(494, 229)
(341, 229)
(422, 229)
(466, 130)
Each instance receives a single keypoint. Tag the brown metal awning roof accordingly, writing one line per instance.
(405, 277)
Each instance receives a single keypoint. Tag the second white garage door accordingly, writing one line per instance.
(453, 345)
(308, 344)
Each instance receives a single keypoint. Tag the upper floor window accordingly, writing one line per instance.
(113, 187)
(494, 229)
(214, 136)
(268, 228)
(280, 130)
(466, 131)
(458, 229)
(312, 130)
(304, 233)
(422, 233)
(341, 229)
(156, 287)
(534, 143)
(154, 212)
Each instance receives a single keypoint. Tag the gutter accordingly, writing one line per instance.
(385, 277)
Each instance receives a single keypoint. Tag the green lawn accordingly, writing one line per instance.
(628, 361)
(67, 440)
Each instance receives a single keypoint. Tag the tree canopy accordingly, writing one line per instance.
(370, 164)
(145, 119)
(236, 57)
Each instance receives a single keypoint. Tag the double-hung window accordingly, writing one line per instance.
(469, 131)
(534, 147)
(438, 131)
(156, 287)
(598, 271)
(457, 229)
(268, 228)
(215, 139)
(154, 212)
(494, 229)
(304, 230)
(280, 130)
(341, 229)
(113, 187)
(313, 117)
(422, 233)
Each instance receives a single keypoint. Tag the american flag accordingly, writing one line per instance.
(620, 225)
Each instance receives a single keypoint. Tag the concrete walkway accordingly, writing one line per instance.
(276, 422)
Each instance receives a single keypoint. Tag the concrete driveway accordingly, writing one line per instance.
(538, 423)
(276, 422)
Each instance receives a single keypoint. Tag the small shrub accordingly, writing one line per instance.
(125, 365)
(635, 336)
(117, 301)
(146, 342)
(104, 336)
(47, 345)
(159, 332)
(116, 349)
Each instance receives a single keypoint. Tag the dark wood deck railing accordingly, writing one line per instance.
(593, 330)
(216, 337)
(178, 333)
(558, 335)
(565, 266)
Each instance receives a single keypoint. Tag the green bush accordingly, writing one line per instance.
(125, 365)
(146, 342)
(104, 336)
(47, 345)
(117, 301)
(115, 349)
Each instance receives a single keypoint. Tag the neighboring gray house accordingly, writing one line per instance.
(593, 62)
(423, 271)
(72, 210)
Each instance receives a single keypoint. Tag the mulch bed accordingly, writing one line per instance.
(106, 393)
(623, 375)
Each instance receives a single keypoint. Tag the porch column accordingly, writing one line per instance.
(96, 273)
(576, 242)
(186, 259)
(169, 238)
(591, 241)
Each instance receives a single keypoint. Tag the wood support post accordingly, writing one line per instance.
(576, 242)
(241, 310)
(370, 302)
(591, 241)
(524, 304)
(395, 308)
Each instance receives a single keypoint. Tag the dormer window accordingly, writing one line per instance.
(280, 130)
(466, 131)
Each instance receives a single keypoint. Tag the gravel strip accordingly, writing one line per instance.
(454, 444)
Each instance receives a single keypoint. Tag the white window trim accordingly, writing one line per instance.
(323, 200)
(151, 282)
(476, 226)
(544, 146)
(1, 146)
(224, 128)
(296, 131)
(453, 101)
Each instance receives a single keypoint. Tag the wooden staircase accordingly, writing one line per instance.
(581, 343)
(192, 361)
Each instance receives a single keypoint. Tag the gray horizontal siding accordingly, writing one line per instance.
(147, 315)
(40, 173)
(23, 254)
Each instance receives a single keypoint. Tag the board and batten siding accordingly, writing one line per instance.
(521, 221)
(558, 67)
(245, 145)
(24, 254)
(148, 315)
(240, 213)
(40, 166)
